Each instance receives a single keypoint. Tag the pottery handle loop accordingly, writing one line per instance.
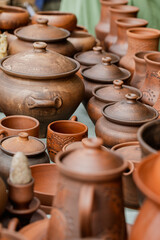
(106, 61)
(74, 118)
(131, 97)
(56, 102)
(130, 169)
(42, 21)
(118, 84)
(97, 49)
(86, 201)
(13, 223)
(3, 134)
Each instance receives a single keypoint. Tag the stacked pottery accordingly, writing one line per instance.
(121, 45)
(117, 12)
(103, 27)
(139, 39)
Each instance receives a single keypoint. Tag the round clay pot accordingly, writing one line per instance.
(103, 26)
(121, 45)
(139, 39)
(3, 197)
(13, 17)
(117, 12)
(58, 19)
(12, 125)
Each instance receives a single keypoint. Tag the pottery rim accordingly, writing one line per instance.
(113, 2)
(123, 9)
(143, 33)
(139, 56)
(128, 22)
(148, 58)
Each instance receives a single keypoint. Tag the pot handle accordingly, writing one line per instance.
(13, 223)
(74, 118)
(3, 133)
(86, 201)
(32, 102)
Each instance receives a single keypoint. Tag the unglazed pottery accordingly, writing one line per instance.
(58, 19)
(61, 132)
(147, 179)
(43, 83)
(103, 26)
(3, 196)
(139, 39)
(107, 94)
(121, 120)
(117, 12)
(121, 45)
(89, 201)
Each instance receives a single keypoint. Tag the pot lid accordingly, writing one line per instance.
(22, 143)
(92, 159)
(105, 72)
(129, 111)
(41, 32)
(94, 56)
(39, 63)
(114, 92)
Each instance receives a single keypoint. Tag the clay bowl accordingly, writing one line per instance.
(45, 182)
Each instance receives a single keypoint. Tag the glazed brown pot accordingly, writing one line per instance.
(45, 86)
(139, 39)
(89, 201)
(121, 45)
(58, 19)
(103, 26)
(107, 94)
(13, 17)
(147, 179)
(117, 12)
(56, 38)
(121, 120)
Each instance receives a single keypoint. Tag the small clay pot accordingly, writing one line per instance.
(121, 45)
(117, 12)
(139, 39)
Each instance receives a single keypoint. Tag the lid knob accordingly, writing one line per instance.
(43, 21)
(131, 97)
(118, 84)
(97, 49)
(39, 46)
(23, 136)
(92, 142)
(106, 61)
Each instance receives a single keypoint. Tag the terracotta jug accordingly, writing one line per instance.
(121, 45)
(89, 201)
(117, 12)
(103, 27)
(139, 39)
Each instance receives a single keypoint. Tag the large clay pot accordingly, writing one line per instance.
(117, 12)
(147, 179)
(139, 39)
(121, 45)
(121, 120)
(89, 201)
(40, 83)
(56, 38)
(103, 26)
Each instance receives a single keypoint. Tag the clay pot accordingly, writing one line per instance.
(139, 39)
(32, 147)
(121, 45)
(130, 152)
(103, 26)
(61, 132)
(108, 94)
(140, 69)
(121, 120)
(13, 17)
(147, 179)
(13, 125)
(58, 19)
(3, 197)
(89, 185)
(117, 12)
(43, 84)
(56, 38)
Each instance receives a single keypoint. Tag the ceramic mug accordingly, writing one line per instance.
(61, 132)
(13, 125)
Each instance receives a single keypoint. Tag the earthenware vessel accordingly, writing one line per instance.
(117, 12)
(108, 94)
(43, 83)
(140, 69)
(13, 125)
(130, 152)
(147, 179)
(58, 19)
(139, 39)
(32, 147)
(61, 132)
(89, 185)
(103, 26)
(121, 120)
(121, 45)
(56, 38)
(3, 196)
(13, 17)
